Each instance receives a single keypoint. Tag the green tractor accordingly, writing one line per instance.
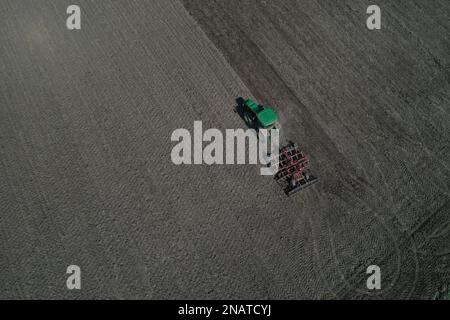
(258, 117)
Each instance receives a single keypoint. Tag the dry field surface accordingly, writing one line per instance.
(86, 176)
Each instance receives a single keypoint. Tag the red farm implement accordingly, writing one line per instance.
(293, 174)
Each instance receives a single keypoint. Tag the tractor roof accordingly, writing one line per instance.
(266, 116)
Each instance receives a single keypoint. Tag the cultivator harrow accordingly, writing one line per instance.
(293, 174)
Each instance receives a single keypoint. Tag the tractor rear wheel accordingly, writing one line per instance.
(249, 120)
